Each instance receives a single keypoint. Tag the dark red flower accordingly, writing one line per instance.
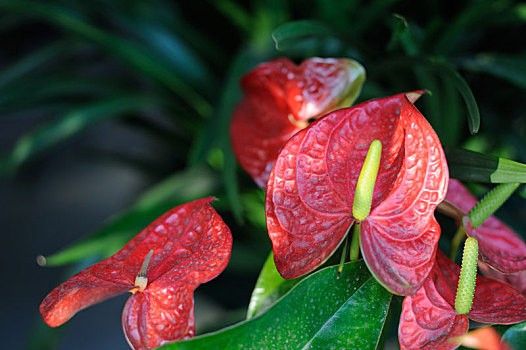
(280, 99)
(188, 245)
(429, 320)
(499, 246)
(311, 189)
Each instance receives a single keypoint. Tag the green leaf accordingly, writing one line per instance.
(464, 90)
(516, 336)
(477, 167)
(132, 54)
(269, 287)
(509, 67)
(73, 122)
(216, 132)
(289, 34)
(320, 312)
(175, 190)
(34, 60)
(399, 27)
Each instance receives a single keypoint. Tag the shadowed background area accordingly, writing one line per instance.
(112, 112)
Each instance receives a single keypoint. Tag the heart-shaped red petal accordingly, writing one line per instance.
(494, 302)
(280, 98)
(311, 189)
(517, 280)
(499, 246)
(191, 245)
(428, 321)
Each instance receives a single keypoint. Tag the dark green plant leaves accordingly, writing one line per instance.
(516, 336)
(270, 286)
(477, 167)
(133, 54)
(321, 312)
(509, 67)
(291, 33)
(175, 190)
(464, 90)
(71, 123)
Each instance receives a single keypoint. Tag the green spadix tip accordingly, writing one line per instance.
(468, 276)
(363, 196)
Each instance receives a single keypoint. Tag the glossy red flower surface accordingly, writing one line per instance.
(429, 320)
(311, 189)
(499, 246)
(190, 245)
(280, 99)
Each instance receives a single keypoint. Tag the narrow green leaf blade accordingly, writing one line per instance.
(516, 336)
(477, 167)
(289, 34)
(131, 53)
(321, 312)
(68, 125)
(464, 90)
(509, 67)
(269, 287)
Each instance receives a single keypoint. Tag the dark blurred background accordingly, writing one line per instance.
(112, 112)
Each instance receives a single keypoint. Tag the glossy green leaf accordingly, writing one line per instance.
(132, 54)
(477, 167)
(320, 312)
(270, 286)
(175, 190)
(289, 34)
(464, 90)
(68, 125)
(516, 336)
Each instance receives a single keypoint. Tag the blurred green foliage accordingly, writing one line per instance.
(172, 70)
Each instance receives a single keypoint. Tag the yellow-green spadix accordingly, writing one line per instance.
(363, 196)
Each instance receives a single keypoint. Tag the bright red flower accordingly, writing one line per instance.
(429, 320)
(189, 245)
(499, 246)
(311, 189)
(280, 99)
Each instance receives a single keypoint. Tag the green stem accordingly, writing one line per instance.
(344, 255)
(456, 241)
(355, 243)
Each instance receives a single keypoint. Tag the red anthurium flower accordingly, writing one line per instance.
(280, 98)
(499, 246)
(311, 189)
(161, 266)
(429, 320)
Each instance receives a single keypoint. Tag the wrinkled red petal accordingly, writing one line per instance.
(494, 302)
(191, 245)
(499, 246)
(311, 189)
(279, 99)
(428, 321)
(151, 319)
(517, 280)
(407, 230)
